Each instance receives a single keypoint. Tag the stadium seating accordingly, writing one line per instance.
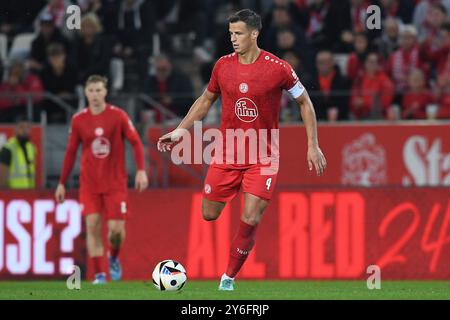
(117, 74)
(21, 46)
(341, 60)
(3, 47)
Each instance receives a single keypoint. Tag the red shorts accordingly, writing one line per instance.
(114, 205)
(223, 182)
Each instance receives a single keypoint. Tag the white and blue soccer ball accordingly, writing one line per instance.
(169, 275)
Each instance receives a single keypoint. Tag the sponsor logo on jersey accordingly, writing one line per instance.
(207, 189)
(243, 87)
(101, 147)
(246, 110)
(99, 131)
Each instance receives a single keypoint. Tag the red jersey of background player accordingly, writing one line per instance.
(251, 93)
(102, 167)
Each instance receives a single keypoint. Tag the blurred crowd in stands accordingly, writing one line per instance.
(166, 49)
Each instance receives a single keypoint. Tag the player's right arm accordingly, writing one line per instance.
(197, 112)
(69, 160)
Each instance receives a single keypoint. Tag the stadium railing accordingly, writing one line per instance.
(141, 108)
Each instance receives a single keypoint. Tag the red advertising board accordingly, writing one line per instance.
(358, 155)
(325, 233)
(39, 238)
(7, 131)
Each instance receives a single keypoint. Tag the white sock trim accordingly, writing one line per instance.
(225, 276)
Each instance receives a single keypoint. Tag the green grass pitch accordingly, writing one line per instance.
(207, 290)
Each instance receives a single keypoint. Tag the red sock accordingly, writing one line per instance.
(240, 248)
(114, 252)
(98, 264)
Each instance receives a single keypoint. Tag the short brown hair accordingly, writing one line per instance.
(251, 19)
(97, 78)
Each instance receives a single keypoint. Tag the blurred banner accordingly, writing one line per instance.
(7, 131)
(305, 234)
(407, 154)
(38, 238)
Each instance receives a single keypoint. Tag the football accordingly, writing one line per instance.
(169, 275)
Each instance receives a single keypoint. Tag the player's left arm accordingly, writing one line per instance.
(315, 156)
(141, 180)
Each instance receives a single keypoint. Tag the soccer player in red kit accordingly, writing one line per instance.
(101, 128)
(251, 82)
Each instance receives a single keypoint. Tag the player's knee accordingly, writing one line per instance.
(92, 229)
(116, 232)
(209, 214)
(211, 210)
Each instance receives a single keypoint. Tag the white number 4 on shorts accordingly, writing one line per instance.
(268, 182)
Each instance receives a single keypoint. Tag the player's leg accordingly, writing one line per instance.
(116, 205)
(258, 188)
(211, 209)
(92, 207)
(221, 185)
(116, 236)
(93, 235)
(95, 246)
(244, 240)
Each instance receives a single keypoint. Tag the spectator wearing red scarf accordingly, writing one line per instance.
(329, 89)
(444, 95)
(358, 15)
(401, 9)
(18, 81)
(436, 49)
(423, 9)
(435, 18)
(57, 10)
(373, 92)
(355, 65)
(343, 18)
(313, 19)
(404, 59)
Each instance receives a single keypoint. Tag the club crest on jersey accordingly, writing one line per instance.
(243, 87)
(246, 110)
(99, 131)
(100, 147)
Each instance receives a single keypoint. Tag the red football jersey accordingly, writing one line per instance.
(251, 95)
(103, 149)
